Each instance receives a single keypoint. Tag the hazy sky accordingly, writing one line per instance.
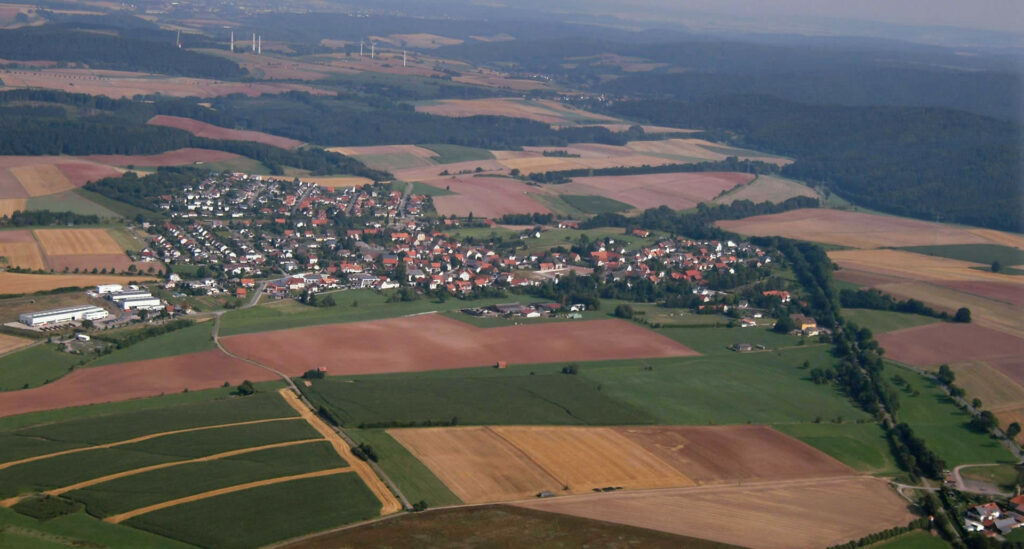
(1004, 15)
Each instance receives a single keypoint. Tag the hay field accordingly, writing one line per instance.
(920, 267)
(484, 196)
(678, 191)
(767, 188)
(432, 172)
(202, 129)
(793, 514)
(10, 205)
(986, 312)
(21, 283)
(10, 343)
(19, 249)
(995, 389)
(77, 241)
(949, 342)
(853, 229)
(542, 110)
(41, 179)
(576, 460)
(32, 176)
(391, 157)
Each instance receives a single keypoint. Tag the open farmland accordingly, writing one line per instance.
(790, 514)
(699, 150)
(34, 176)
(541, 110)
(10, 343)
(10, 205)
(41, 179)
(67, 249)
(434, 342)
(18, 283)
(18, 248)
(853, 229)
(678, 191)
(391, 157)
(335, 182)
(118, 84)
(504, 463)
(180, 157)
(202, 129)
(485, 197)
(949, 342)
(767, 188)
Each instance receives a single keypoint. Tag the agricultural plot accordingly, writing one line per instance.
(880, 322)
(450, 154)
(78, 530)
(391, 157)
(202, 129)
(862, 446)
(699, 150)
(948, 342)
(813, 513)
(767, 188)
(335, 182)
(542, 110)
(34, 366)
(194, 339)
(10, 205)
(434, 342)
(19, 249)
(595, 204)
(179, 157)
(853, 229)
(34, 176)
(22, 283)
(484, 197)
(504, 463)
(68, 249)
(983, 254)
(71, 201)
(416, 481)
(678, 191)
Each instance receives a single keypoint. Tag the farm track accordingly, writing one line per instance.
(389, 503)
(119, 518)
(140, 439)
(10, 502)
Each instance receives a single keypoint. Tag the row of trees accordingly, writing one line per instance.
(730, 164)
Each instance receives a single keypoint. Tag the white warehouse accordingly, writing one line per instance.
(60, 316)
(108, 288)
(142, 303)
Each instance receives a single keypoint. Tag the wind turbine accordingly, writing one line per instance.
(373, 44)
(360, 48)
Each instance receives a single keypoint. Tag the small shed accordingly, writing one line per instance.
(501, 365)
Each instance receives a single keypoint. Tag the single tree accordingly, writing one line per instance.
(1013, 429)
(963, 314)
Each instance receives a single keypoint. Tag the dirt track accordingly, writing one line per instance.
(389, 504)
(140, 439)
(116, 519)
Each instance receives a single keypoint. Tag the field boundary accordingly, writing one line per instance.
(119, 518)
(139, 439)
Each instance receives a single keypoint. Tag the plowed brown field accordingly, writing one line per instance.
(485, 196)
(482, 464)
(678, 191)
(25, 176)
(948, 342)
(788, 514)
(77, 242)
(202, 129)
(435, 342)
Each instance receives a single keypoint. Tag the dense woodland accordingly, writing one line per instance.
(918, 162)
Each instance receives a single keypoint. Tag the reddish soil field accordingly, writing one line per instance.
(78, 170)
(1009, 293)
(80, 173)
(722, 454)
(485, 197)
(133, 380)
(202, 129)
(9, 185)
(178, 157)
(434, 342)
(110, 262)
(678, 191)
(948, 342)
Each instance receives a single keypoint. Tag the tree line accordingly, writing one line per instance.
(730, 164)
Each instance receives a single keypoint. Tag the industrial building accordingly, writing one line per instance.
(61, 316)
(108, 288)
(136, 299)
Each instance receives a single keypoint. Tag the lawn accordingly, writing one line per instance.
(862, 446)
(504, 526)
(267, 514)
(368, 305)
(918, 539)
(934, 417)
(732, 388)
(75, 530)
(414, 478)
(476, 396)
(35, 366)
(447, 154)
(1001, 476)
(595, 204)
(133, 492)
(718, 340)
(974, 253)
(880, 322)
(192, 339)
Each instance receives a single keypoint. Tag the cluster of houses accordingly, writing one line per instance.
(991, 520)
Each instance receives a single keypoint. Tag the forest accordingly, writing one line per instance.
(927, 163)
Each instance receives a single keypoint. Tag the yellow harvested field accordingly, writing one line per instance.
(420, 40)
(41, 179)
(21, 254)
(584, 458)
(787, 514)
(995, 389)
(541, 110)
(533, 164)
(338, 181)
(10, 343)
(21, 283)
(476, 464)
(853, 229)
(999, 237)
(1009, 415)
(77, 242)
(986, 312)
(767, 188)
(10, 205)
(915, 266)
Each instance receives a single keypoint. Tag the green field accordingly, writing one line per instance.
(934, 417)
(121, 208)
(74, 530)
(476, 396)
(974, 253)
(263, 515)
(718, 340)
(192, 339)
(862, 446)
(595, 204)
(447, 154)
(1001, 476)
(429, 190)
(917, 539)
(416, 481)
(133, 492)
(880, 322)
(504, 526)
(69, 201)
(35, 366)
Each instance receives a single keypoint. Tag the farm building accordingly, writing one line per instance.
(60, 316)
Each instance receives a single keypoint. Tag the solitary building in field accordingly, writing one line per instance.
(60, 316)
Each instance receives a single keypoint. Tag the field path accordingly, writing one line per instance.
(10, 502)
(116, 519)
(389, 504)
(140, 439)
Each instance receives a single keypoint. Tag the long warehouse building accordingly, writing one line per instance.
(60, 316)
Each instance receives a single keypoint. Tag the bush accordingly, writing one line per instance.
(246, 388)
